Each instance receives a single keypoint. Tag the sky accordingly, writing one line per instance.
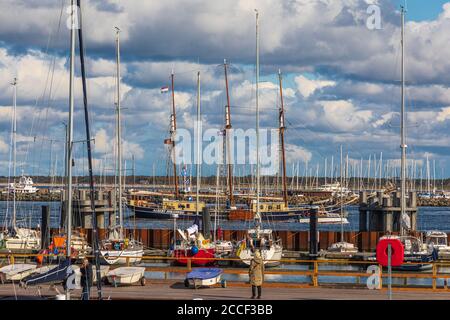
(341, 77)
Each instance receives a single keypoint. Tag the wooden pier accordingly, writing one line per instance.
(175, 290)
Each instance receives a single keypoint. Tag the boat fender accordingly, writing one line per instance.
(40, 256)
(397, 252)
(242, 246)
(194, 249)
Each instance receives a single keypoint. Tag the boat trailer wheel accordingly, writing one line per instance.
(186, 283)
(143, 281)
(223, 283)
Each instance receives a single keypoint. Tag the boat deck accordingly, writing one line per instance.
(175, 290)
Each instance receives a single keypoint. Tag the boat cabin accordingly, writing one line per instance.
(436, 238)
(182, 205)
(269, 206)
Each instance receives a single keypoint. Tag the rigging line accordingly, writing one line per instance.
(46, 82)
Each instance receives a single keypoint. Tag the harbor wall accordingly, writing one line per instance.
(292, 240)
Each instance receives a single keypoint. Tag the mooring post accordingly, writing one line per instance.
(206, 222)
(45, 227)
(313, 243)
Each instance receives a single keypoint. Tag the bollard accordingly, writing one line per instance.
(189, 264)
(45, 227)
(313, 248)
(206, 221)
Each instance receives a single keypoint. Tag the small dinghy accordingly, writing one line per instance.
(15, 272)
(204, 277)
(103, 272)
(54, 275)
(126, 275)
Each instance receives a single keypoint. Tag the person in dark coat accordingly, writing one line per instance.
(86, 279)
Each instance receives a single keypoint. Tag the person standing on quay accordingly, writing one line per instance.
(256, 273)
(86, 279)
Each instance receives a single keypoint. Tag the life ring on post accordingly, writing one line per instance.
(397, 252)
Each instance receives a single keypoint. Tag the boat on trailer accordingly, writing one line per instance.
(126, 276)
(200, 277)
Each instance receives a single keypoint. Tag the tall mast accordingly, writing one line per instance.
(258, 216)
(403, 145)
(14, 133)
(198, 144)
(227, 134)
(119, 135)
(282, 127)
(70, 132)
(342, 200)
(174, 129)
(89, 153)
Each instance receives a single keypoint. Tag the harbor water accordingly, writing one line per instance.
(29, 214)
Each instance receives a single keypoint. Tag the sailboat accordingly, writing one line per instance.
(144, 206)
(263, 239)
(25, 185)
(17, 238)
(342, 248)
(117, 249)
(193, 243)
(415, 251)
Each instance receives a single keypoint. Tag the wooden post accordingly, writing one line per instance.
(434, 275)
(316, 274)
(381, 277)
(128, 261)
(189, 264)
(12, 259)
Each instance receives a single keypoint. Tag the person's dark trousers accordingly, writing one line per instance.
(254, 291)
(86, 293)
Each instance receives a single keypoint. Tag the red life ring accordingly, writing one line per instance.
(397, 252)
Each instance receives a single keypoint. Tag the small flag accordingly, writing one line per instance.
(164, 89)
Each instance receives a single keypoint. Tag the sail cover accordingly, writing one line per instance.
(406, 221)
(204, 273)
(55, 275)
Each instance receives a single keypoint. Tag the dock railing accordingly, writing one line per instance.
(315, 272)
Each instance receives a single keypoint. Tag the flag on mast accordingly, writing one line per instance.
(164, 89)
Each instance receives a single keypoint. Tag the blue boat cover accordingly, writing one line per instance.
(56, 275)
(204, 273)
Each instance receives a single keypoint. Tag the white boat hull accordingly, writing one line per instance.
(325, 220)
(125, 275)
(205, 282)
(270, 256)
(23, 243)
(103, 272)
(122, 256)
(16, 272)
